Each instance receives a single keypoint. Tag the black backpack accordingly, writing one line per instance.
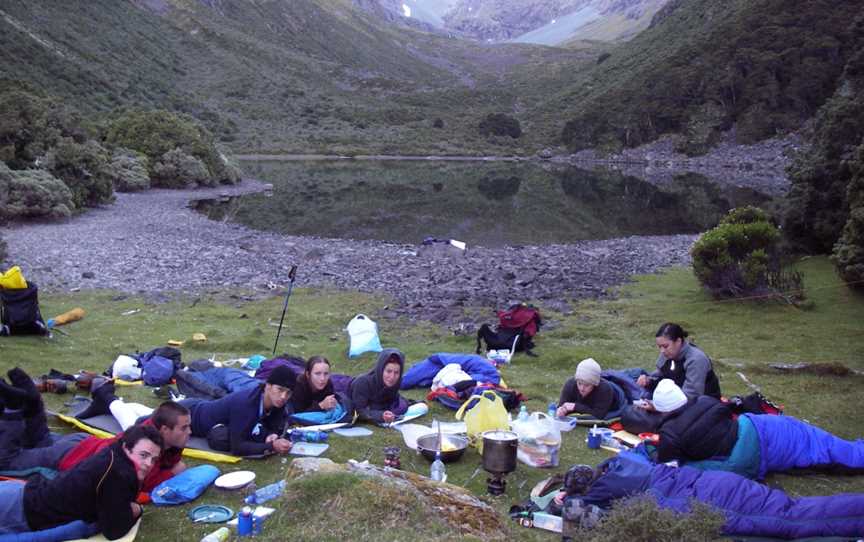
(19, 312)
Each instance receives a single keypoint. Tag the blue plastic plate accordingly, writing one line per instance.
(210, 513)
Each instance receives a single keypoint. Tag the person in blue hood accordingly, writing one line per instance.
(376, 394)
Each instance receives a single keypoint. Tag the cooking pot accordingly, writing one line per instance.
(452, 449)
(499, 451)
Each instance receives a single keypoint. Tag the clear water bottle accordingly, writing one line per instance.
(219, 535)
(437, 472)
(266, 493)
(523, 413)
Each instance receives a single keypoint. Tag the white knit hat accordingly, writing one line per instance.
(588, 370)
(668, 396)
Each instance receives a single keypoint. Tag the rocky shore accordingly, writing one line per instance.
(151, 243)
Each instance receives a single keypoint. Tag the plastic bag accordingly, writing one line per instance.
(485, 412)
(13, 279)
(539, 440)
(363, 333)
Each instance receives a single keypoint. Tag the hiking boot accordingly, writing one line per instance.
(12, 396)
(32, 404)
(84, 379)
(102, 391)
(51, 385)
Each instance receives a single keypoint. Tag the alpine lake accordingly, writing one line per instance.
(487, 203)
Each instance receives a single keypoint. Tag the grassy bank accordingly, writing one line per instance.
(740, 336)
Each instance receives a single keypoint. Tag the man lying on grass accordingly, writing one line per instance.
(100, 490)
(26, 443)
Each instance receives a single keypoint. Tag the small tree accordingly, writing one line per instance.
(501, 125)
(848, 253)
(740, 256)
(32, 193)
(176, 169)
(128, 169)
(84, 169)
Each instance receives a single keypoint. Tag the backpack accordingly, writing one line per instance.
(516, 329)
(19, 311)
(158, 365)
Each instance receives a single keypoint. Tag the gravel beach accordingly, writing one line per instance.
(151, 243)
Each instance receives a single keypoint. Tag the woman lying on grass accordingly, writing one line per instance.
(376, 394)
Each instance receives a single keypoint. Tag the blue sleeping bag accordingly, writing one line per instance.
(69, 531)
(423, 372)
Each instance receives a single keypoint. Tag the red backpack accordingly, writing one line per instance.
(521, 317)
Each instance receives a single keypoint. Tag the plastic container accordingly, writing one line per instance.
(266, 493)
(542, 520)
(299, 435)
(219, 535)
(437, 471)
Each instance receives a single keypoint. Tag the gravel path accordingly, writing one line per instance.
(152, 243)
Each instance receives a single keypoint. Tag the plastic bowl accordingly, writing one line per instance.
(453, 447)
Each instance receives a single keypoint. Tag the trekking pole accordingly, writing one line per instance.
(291, 274)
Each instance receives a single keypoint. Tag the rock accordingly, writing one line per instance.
(88, 275)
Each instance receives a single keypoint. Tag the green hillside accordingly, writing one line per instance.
(704, 67)
(272, 76)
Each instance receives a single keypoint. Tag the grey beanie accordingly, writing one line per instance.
(588, 370)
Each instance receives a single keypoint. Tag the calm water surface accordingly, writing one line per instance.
(481, 203)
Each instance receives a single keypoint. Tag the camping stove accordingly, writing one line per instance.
(496, 484)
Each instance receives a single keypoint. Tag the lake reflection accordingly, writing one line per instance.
(482, 203)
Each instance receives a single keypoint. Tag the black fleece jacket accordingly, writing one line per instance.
(701, 429)
(98, 490)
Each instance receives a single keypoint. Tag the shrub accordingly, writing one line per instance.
(155, 133)
(848, 253)
(739, 256)
(501, 125)
(33, 193)
(176, 169)
(84, 169)
(128, 169)
(639, 518)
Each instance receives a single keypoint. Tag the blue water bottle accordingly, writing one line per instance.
(244, 522)
(299, 435)
(553, 408)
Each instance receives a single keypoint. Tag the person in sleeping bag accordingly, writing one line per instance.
(314, 390)
(587, 393)
(703, 432)
(26, 443)
(375, 395)
(101, 489)
(749, 508)
(249, 421)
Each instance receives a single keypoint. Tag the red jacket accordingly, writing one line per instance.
(90, 446)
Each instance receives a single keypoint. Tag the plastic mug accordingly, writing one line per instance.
(594, 439)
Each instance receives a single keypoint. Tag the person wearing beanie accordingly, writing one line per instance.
(702, 432)
(588, 393)
(247, 422)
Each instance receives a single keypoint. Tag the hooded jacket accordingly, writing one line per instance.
(368, 393)
(701, 429)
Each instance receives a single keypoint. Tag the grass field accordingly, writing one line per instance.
(740, 336)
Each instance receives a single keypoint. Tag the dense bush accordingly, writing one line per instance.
(155, 133)
(848, 254)
(84, 169)
(737, 257)
(30, 125)
(500, 124)
(708, 66)
(128, 169)
(32, 193)
(176, 169)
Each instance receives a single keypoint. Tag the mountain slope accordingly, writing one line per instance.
(705, 67)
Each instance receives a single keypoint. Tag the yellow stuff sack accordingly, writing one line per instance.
(13, 279)
(483, 412)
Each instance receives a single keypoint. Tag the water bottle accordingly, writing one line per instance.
(437, 472)
(266, 493)
(553, 408)
(244, 522)
(219, 535)
(523, 413)
(299, 435)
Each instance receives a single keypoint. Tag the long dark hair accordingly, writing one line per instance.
(671, 331)
(313, 361)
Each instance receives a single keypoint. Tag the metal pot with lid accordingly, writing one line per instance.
(499, 451)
